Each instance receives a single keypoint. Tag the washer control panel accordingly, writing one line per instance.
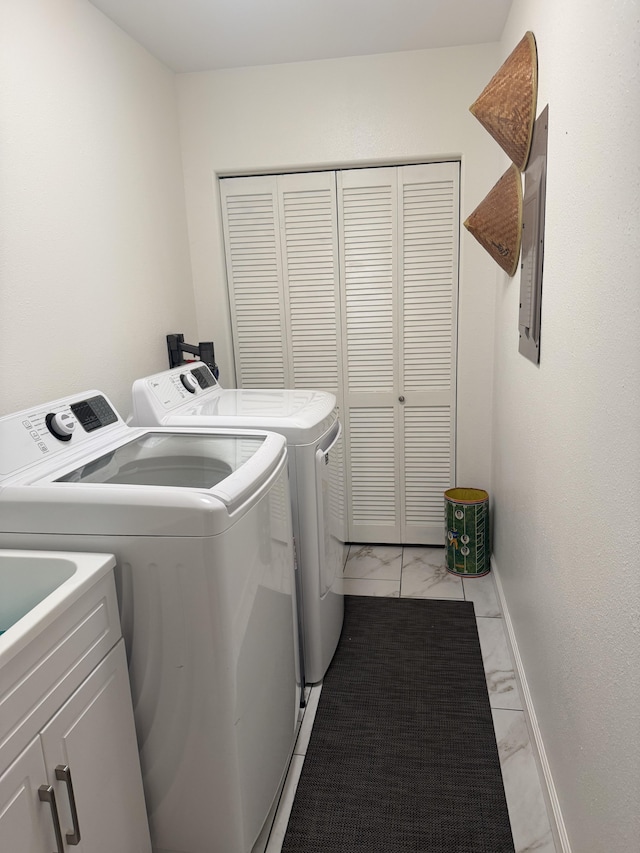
(30, 436)
(94, 413)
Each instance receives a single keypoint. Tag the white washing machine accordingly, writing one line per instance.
(191, 396)
(200, 524)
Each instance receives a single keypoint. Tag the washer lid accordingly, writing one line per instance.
(160, 483)
(109, 479)
(178, 460)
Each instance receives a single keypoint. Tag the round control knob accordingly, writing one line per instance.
(61, 425)
(189, 381)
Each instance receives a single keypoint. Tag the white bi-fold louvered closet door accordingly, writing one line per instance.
(347, 281)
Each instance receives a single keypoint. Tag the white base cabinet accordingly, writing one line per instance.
(70, 775)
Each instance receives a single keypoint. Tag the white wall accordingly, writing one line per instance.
(392, 108)
(94, 264)
(94, 271)
(566, 469)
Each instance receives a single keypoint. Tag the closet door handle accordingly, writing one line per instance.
(46, 794)
(401, 398)
(63, 774)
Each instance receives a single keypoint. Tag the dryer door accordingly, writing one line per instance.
(330, 513)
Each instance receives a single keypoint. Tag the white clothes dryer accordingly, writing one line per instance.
(190, 395)
(200, 524)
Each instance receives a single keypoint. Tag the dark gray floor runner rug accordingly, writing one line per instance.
(402, 757)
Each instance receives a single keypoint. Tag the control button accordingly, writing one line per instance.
(189, 381)
(61, 425)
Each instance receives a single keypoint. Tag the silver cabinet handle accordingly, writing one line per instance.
(46, 794)
(63, 774)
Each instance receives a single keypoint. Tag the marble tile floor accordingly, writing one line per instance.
(419, 572)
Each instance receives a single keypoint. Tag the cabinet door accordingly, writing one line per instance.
(26, 823)
(93, 734)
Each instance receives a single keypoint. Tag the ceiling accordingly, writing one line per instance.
(201, 35)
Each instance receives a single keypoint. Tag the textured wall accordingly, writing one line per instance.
(94, 255)
(567, 433)
(392, 108)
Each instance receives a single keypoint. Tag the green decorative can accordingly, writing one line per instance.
(467, 531)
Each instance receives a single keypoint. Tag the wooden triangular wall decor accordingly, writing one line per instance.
(496, 223)
(507, 105)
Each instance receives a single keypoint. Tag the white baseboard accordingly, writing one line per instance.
(556, 821)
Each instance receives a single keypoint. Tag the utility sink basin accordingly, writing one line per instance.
(59, 618)
(36, 587)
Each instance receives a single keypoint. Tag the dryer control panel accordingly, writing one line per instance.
(174, 387)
